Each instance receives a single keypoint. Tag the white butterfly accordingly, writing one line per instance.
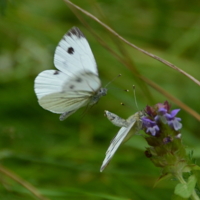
(134, 122)
(76, 84)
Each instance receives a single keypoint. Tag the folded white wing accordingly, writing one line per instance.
(115, 143)
(134, 122)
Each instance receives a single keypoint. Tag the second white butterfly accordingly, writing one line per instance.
(134, 122)
(76, 83)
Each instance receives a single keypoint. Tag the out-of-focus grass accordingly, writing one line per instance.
(62, 159)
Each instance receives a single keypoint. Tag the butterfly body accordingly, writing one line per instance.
(76, 83)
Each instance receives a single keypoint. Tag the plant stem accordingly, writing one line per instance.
(194, 196)
(22, 182)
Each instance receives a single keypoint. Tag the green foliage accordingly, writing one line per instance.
(185, 190)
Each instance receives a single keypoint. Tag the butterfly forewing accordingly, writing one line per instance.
(49, 81)
(87, 82)
(73, 54)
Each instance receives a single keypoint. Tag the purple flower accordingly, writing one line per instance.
(172, 120)
(169, 118)
(161, 115)
(162, 111)
(150, 126)
(163, 136)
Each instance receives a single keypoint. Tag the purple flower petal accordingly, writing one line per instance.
(175, 124)
(150, 126)
(153, 130)
(162, 111)
(172, 120)
(175, 112)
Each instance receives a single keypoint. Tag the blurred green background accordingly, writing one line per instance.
(62, 159)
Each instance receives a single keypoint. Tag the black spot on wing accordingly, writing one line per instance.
(79, 80)
(71, 87)
(69, 34)
(56, 72)
(112, 118)
(75, 31)
(70, 50)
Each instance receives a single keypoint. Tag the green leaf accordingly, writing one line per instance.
(185, 189)
(176, 197)
(195, 167)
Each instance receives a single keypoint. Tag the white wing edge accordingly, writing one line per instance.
(115, 143)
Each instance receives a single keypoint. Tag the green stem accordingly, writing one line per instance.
(194, 196)
(180, 178)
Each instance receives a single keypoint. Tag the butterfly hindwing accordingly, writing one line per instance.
(59, 103)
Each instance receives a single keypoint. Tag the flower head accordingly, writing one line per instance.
(158, 114)
(166, 150)
(163, 136)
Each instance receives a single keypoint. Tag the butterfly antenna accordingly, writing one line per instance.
(135, 97)
(113, 80)
(122, 103)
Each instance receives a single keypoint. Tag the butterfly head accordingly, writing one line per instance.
(101, 92)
